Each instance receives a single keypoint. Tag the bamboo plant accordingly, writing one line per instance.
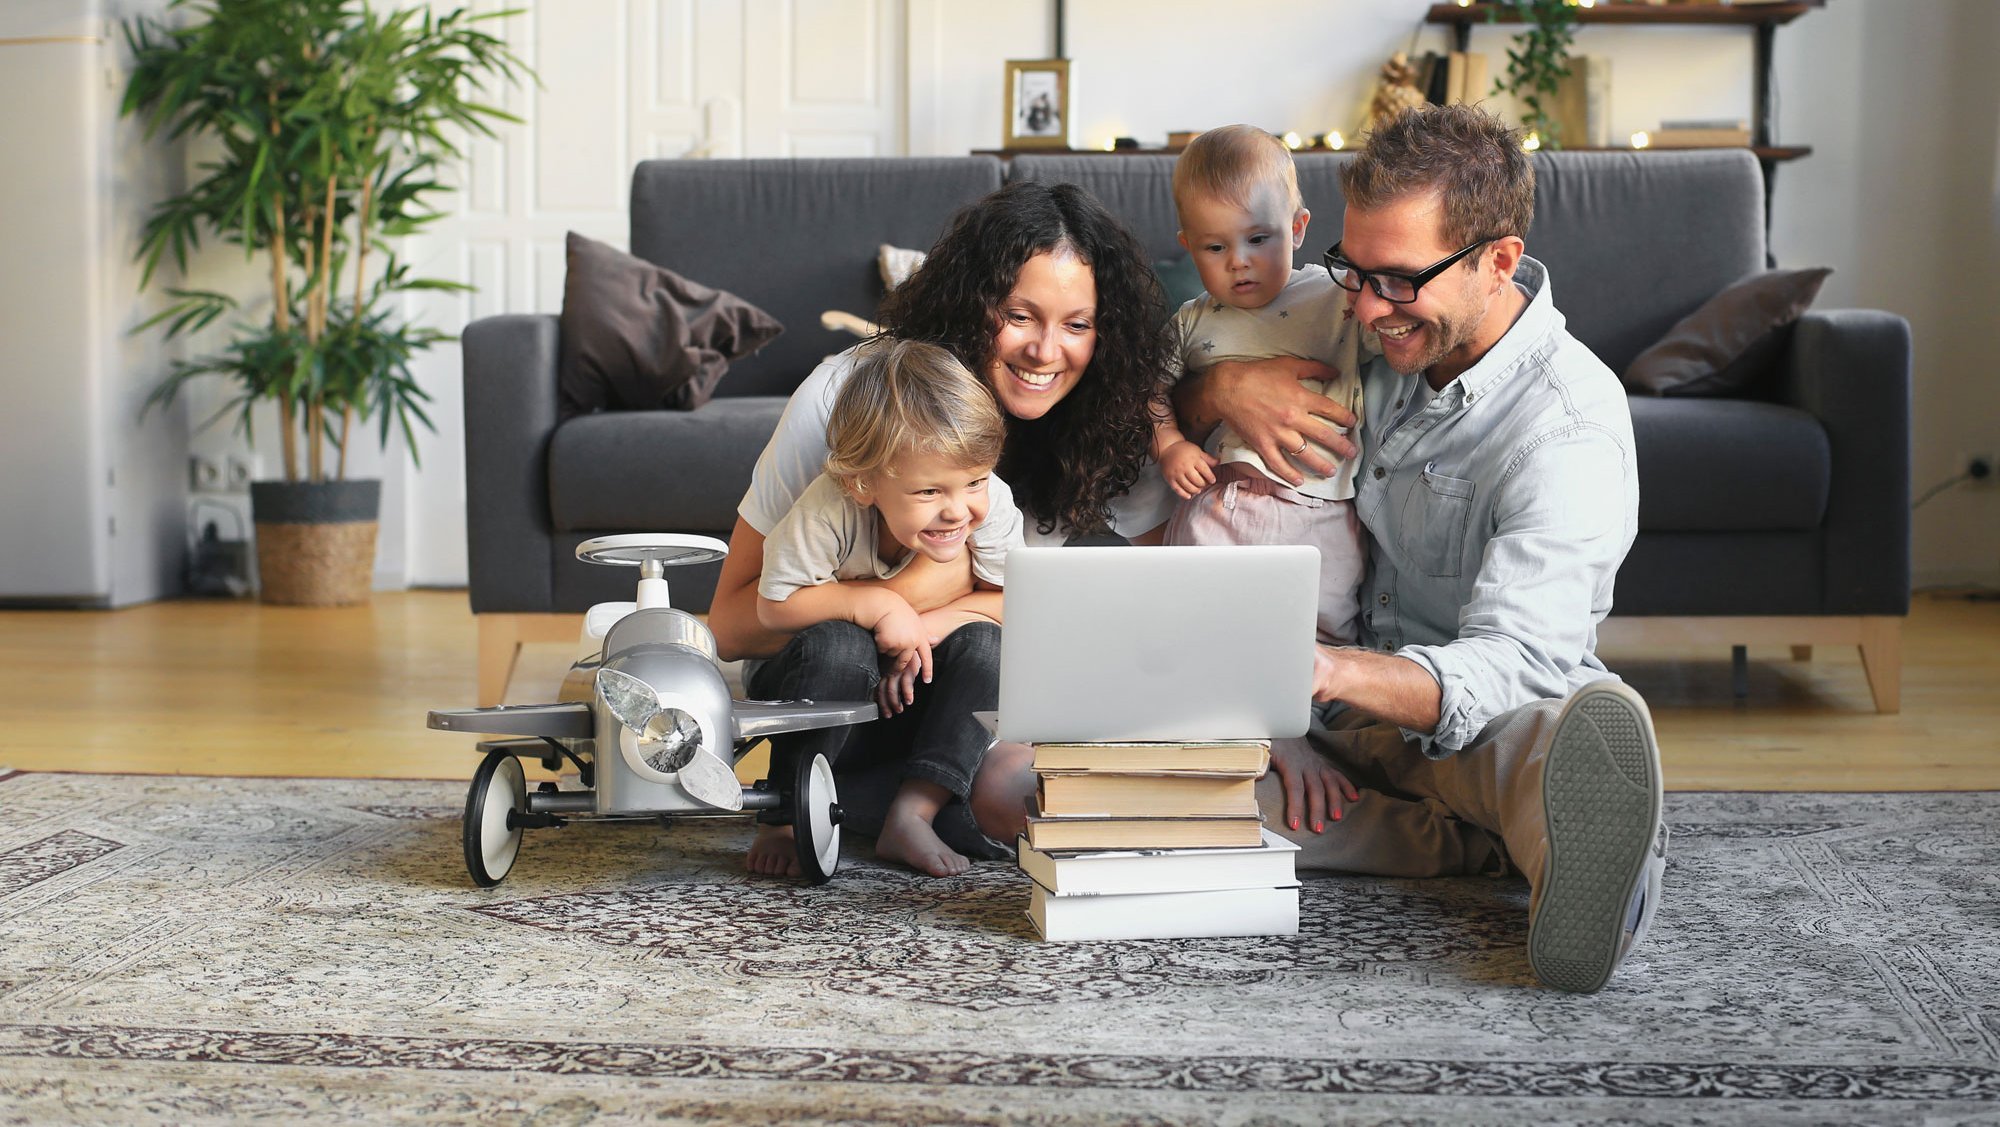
(324, 122)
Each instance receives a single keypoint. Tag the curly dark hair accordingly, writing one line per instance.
(1066, 466)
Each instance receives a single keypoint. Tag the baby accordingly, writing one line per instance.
(1237, 195)
(911, 445)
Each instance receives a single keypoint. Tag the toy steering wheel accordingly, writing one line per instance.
(636, 549)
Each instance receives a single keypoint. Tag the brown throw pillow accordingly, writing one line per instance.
(1728, 346)
(636, 336)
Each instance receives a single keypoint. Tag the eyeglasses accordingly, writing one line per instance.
(1389, 285)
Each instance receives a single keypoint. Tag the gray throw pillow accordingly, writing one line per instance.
(636, 336)
(1729, 346)
(1181, 280)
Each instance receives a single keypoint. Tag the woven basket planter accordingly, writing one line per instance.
(315, 541)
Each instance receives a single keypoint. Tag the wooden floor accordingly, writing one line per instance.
(227, 688)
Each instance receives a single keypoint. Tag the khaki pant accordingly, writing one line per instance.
(1478, 812)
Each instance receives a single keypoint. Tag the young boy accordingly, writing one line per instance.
(911, 445)
(1237, 195)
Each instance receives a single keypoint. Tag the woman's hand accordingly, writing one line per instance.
(898, 688)
(1313, 788)
(1291, 427)
(901, 633)
(1187, 467)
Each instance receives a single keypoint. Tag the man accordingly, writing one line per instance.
(1475, 727)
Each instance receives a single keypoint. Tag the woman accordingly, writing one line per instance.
(1041, 292)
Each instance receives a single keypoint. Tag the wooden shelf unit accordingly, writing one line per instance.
(1764, 19)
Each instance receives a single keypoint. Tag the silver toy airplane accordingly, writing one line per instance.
(650, 725)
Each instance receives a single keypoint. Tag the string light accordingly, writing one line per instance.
(1293, 140)
(1531, 142)
(1642, 139)
(1334, 140)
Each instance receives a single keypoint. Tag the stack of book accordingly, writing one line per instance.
(1725, 133)
(1156, 840)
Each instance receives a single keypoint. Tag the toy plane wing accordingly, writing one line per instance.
(570, 720)
(757, 718)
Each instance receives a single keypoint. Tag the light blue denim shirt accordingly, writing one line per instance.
(1498, 515)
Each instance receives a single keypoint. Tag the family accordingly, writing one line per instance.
(1030, 386)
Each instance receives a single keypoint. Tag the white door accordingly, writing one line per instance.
(623, 81)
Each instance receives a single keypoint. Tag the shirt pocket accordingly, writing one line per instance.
(1433, 527)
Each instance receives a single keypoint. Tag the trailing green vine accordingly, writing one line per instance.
(1538, 61)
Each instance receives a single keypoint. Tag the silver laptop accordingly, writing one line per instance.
(1157, 643)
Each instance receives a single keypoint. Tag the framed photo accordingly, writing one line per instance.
(1037, 104)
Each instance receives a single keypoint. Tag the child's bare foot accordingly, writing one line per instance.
(774, 853)
(909, 839)
(907, 835)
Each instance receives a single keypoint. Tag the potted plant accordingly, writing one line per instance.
(1538, 62)
(326, 121)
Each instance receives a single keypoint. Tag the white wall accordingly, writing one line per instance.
(1901, 103)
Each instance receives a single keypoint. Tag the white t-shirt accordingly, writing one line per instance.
(797, 453)
(829, 536)
(1309, 318)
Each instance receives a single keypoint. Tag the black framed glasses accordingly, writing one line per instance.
(1390, 285)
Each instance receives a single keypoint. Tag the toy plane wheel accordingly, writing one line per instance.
(492, 838)
(816, 819)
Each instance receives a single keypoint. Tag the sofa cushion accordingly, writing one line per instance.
(797, 237)
(1730, 346)
(1722, 465)
(636, 336)
(658, 471)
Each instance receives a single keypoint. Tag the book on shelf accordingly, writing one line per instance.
(1249, 756)
(1477, 85)
(1130, 871)
(1454, 80)
(1166, 915)
(1154, 832)
(1581, 106)
(1137, 795)
(1699, 138)
(1735, 123)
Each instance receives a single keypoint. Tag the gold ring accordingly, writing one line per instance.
(1302, 448)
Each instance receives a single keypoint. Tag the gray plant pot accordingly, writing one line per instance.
(315, 540)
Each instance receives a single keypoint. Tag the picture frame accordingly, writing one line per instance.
(1037, 104)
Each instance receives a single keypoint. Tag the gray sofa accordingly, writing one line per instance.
(1781, 521)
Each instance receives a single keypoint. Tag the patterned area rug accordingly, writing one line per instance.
(197, 950)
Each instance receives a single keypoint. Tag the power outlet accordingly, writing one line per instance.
(1981, 468)
(238, 471)
(205, 474)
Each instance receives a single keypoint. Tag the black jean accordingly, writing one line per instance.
(934, 739)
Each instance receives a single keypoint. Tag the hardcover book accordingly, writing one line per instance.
(1166, 915)
(1047, 833)
(1126, 871)
(1236, 756)
(1137, 795)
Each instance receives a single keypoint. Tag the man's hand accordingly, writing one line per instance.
(1263, 402)
(1187, 467)
(1313, 788)
(1327, 670)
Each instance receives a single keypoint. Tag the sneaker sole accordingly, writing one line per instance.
(1601, 795)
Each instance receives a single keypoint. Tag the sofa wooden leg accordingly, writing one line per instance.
(501, 637)
(1801, 653)
(1882, 659)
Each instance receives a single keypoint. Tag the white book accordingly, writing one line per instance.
(1128, 871)
(1166, 915)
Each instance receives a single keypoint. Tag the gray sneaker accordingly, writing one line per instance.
(1601, 796)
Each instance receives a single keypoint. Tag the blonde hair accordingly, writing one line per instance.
(908, 397)
(1227, 162)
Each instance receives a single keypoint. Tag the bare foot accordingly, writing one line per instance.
(907, 837)
(774, 853)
